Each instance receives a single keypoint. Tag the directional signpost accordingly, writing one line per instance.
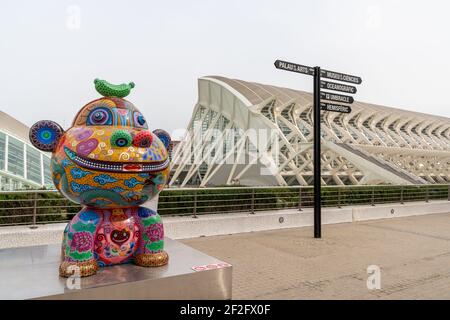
(340, 76)
(336, 97)
(337, 87)
(317, 73)
(294, 67)
(335, 107)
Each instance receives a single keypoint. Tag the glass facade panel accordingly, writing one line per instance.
(2, 150)
(16, 184)
(11, 184)
(48, 182)
(33, 165)
(12, 153)
(15, 157)
(5, 183)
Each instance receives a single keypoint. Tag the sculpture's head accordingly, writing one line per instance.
(108, 158)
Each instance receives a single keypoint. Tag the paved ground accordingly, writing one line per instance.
(413, 255)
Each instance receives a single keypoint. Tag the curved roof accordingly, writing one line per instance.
(13, 126)
(372, 144)
(257, 93)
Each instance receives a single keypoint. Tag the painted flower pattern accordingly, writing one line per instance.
(82, 241)
(155, 232)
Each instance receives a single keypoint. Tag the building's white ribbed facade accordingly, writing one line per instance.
(22, 166)
(372, 144)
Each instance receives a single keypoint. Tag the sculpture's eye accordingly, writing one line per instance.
(121, 138)
(139, 120)
(99, 117)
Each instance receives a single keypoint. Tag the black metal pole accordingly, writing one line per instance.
(317, 173)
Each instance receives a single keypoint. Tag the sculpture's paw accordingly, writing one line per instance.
(83, 269)
(151, 259)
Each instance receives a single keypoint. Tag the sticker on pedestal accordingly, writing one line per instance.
(211, 266)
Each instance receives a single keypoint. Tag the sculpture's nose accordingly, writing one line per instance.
(143, 139)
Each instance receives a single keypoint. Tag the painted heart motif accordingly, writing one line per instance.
(83, 134)
(86, 147)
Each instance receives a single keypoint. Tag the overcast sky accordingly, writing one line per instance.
(50, 51)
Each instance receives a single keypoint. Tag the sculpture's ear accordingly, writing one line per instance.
(164, 137)
(45, 135)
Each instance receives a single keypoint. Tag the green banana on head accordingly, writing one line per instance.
(107, 89)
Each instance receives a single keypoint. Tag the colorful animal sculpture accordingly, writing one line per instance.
(111, 163)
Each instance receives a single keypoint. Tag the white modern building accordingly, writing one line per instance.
(22, 166)
(371, 145)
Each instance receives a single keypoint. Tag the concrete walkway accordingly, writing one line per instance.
(413, 254)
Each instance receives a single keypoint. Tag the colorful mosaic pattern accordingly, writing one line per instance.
(45, 134)
(112, 236)
(90, 167)
(111, 163)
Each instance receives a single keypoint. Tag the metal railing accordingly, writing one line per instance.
(38, 207)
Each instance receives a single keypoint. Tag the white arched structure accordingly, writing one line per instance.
(253, 134)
